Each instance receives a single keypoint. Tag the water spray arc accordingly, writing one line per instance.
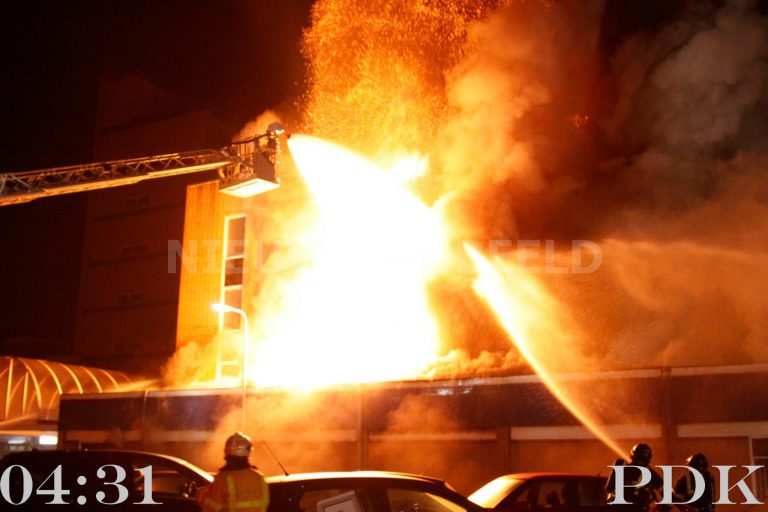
(492, 286)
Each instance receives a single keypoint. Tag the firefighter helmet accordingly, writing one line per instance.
(238, 445)
(641, 454)
(697, 461)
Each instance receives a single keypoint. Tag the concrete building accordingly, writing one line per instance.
(128, 300)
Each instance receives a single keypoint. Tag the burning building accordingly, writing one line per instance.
(467, 431)
(508, 127)
(426, 233)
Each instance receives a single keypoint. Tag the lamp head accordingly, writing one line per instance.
(222, 308)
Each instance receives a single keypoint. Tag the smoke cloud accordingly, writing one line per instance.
(684, 249)
(561, 121)
(425, 419)
(653, 146)
(516, 100)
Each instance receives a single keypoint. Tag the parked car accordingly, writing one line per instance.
(563, 492)
(364, 491)
(91, 479)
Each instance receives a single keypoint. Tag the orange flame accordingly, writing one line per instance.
(523, 307)
(358, 312)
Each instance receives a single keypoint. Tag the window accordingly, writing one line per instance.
(550, 494)
(334, 500)
(591, 492)
(525, 495)
(234, 268)
(233, 272)
(408, 500)
(492, 493)
(165, 479)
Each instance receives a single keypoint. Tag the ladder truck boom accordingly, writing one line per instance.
(245, 168)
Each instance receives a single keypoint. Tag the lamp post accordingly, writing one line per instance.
(224, 308)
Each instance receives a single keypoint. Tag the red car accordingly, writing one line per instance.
(531, 492)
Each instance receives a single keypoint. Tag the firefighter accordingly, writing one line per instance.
(686, 486)
(644, 496)
(238, 487)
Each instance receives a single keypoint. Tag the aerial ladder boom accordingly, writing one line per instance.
(245, 168)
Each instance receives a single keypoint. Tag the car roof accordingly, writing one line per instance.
(544, 474)
(348, 475)
(112, 455)
(375, 478)
(96, 451)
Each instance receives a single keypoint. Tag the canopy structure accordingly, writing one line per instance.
(30, 388)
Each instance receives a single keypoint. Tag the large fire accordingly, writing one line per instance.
(472, 85)
(358, 311)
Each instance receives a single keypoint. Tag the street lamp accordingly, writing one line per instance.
(224, 308)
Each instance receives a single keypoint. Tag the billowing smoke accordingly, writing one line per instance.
(519, 100)
(560, 121)
(682, 194)
(420, 420)
(292, 431)
(565, 121)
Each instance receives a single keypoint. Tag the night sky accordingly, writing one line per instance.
(235, 59)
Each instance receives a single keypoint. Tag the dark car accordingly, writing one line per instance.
(87, 479)
(364, 491)
(99, 480)
(564, 492)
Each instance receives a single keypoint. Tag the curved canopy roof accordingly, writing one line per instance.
(30, 388)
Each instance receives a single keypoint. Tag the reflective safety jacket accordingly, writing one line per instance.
(242, 490)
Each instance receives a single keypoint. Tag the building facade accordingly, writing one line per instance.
(466, 431)
(128, 299)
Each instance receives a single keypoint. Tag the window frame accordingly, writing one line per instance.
(228, 320)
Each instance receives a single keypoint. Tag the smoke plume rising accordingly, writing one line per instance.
(556, 121)
(564, 120)
(549, 122)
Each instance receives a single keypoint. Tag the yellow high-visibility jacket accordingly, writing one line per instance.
(242, 490)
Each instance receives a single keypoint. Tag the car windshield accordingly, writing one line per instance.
(491, 494)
